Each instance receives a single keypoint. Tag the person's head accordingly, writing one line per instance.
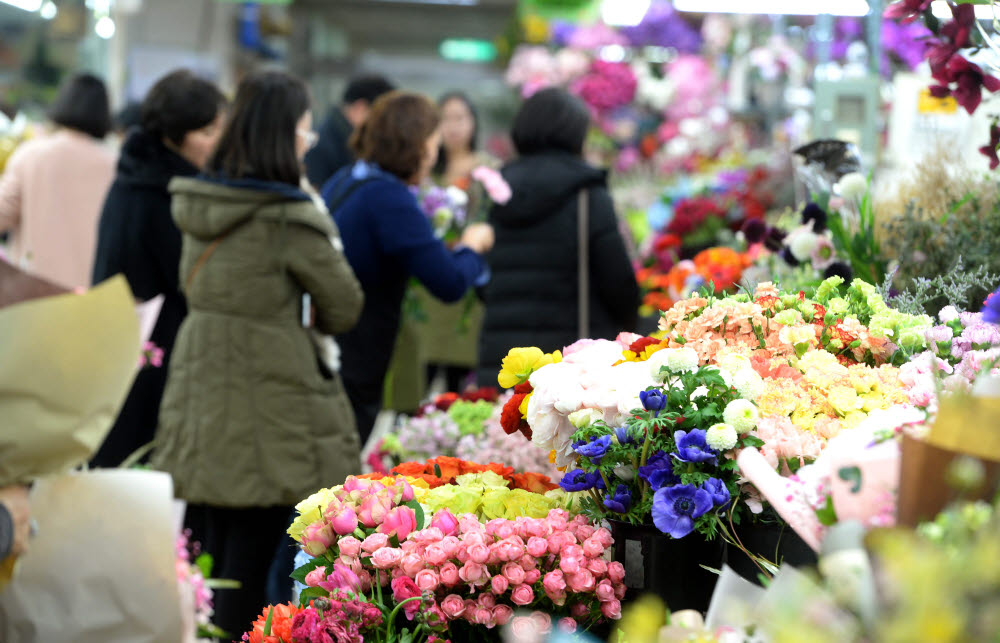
(401, 135)
(268, 132)
(186, 113)
(459, 128)
(552, 120)
(360, 94)
(82, 105)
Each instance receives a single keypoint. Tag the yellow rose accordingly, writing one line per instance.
(520, 363)
(519, 502)
(460, 500)
(480, 481)
(494, 503)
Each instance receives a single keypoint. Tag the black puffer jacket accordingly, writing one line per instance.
(532, 297)
(138, 238)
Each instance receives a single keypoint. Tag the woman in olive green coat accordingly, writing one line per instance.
(252, 420)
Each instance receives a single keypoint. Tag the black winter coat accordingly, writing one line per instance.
(137, 237)
(332, 151)
(532, 297)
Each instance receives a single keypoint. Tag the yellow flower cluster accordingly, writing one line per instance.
(520, 363)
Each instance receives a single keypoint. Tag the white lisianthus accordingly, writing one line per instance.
(742, 415)
(749, 384)
(721, 437)
(803, 244)
(584, 417)
(852, 186)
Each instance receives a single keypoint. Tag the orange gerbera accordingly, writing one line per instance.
(281, 624)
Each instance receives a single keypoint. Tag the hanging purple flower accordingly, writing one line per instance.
(676, 508)
(691, 447)
(718, 490)
(658, 471)
(620, 501)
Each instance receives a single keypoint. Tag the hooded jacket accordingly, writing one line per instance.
(532, 299)
(250, 417)
(137, 237)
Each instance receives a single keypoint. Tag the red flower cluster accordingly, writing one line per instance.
(690, 214)
(511, 418)
(444, 401)
(443, 470)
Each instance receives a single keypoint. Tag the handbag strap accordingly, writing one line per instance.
(212, 247)
(583, 264)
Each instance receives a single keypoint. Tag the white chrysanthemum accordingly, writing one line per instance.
(742, 415)
(748, 384)
(734, 362)
(682, 359)
(852, 186)
(721, 437)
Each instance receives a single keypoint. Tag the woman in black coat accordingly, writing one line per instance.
(532, 299)
(181, 121)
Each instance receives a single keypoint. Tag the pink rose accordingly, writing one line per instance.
(506, 530)
(479, 553)
(489, 601)
(403, 491)
(449, 574)
(580, 611)
(496, 187)
(598, 566)
(473, 573)
(510, 549)
(583, 532)
(317, 538)
(592, 548)
(603, 536)
(426, 537)
(502, 614)
(616, 572)
(513, 573)
(522, 595)
(572, 551)
(373, 510)
(476, 537)
(499, 584)
(349, 546)
(605, 591)
(537, 547)
(580, 582)
(446, 522)
(531, 576)
(453, 606)
(351, 563)
(374, 542)
(436, 618)
(620, 592)
(542, 621)
(612, 610)
(450, 545)
(365, 580)
(411, 564)
(567, 625)
(570, 565)
(524, 629)
(386, 557)
(484, 616)
(399, 522)
(342, 578)
(316, 576)
(436, 554)
(345, 521)
(554, 585)
(470, 610)
(427, 580)
(404, 589)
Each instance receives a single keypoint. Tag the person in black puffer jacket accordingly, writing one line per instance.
(532, 297)
(181, 120)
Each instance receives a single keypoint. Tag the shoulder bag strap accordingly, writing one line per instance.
(583, 265)
(212, 247)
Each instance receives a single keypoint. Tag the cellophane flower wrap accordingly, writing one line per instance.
(471, 549)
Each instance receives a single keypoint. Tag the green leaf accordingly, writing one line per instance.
(852, 475)
(300, 573)
(204, 564)
(310, 593)
(437, 470)
(827, 515)
(267, 623)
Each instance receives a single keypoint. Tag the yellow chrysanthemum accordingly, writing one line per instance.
(521, 362)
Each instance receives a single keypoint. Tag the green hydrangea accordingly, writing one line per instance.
(470, 416)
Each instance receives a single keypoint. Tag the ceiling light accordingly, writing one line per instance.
(942, 11)
(48, 10)
(776, 7)
(624, 13)
(27, 5)
(104, 28)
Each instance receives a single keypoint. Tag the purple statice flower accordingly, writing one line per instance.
(595, 449)
(658, 471)
(676, 508)
(691, 447)
(662, 26)
(718, 490)
(620, 501)
(991, 308)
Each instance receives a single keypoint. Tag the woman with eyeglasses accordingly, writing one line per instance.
(254, 419)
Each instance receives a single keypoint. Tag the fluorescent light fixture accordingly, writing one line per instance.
(27, 5)
(468, 50)
(48, 10)
(776, 7)
(460, 3)
(624, 13)
(104, 28)
(983, 11)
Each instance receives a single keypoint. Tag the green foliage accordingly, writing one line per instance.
(959, 287)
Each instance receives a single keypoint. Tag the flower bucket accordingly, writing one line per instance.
(672, 569)
(777, 543)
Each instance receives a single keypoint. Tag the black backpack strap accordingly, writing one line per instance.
(333, 203)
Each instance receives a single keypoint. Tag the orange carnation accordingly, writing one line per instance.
(281, 624)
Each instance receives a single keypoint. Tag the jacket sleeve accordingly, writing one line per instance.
(11, 185)
(162, 241)
(404, 233)
(319, 265)
(611, 274)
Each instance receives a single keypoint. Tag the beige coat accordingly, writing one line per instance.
(51, 195)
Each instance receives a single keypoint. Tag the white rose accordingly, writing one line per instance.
(721, 437)
(852, 186)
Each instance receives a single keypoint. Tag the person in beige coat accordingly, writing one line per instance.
(53, 187)
(253, 420)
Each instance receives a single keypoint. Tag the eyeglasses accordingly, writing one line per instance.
(309, 136)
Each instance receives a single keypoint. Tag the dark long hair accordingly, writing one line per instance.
(259, 139)
(442, 163)
(83, 105)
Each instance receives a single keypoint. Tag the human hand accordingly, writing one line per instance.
(479, 237)
(15, 499)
